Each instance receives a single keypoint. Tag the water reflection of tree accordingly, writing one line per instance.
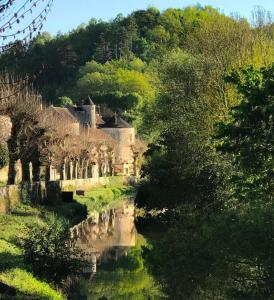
(121, 284)
(127, 278)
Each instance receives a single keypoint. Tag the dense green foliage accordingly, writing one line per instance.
(121, 85)
(127, 278)
(34, 249)
(250, 135)
(47, 249)
(182, 158)
(4, 155)
(93, 58)
(220, 227)
(14, 272)
(63, 101)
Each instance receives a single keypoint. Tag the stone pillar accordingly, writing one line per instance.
(70, 175)
(93, 263)
(95, 171)
(76, 169)
(89, 170)
(63, 170)
(85, 174)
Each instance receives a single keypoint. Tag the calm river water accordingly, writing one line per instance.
(115, 267)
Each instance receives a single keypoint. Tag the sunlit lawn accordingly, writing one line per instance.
(13, 271)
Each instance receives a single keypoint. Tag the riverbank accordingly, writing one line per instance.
(14, 273)
(104, 198)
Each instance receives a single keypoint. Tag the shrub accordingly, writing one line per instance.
(47, 249)
(4, 155)
(63, 101)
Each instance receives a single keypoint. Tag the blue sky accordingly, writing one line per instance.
(68, 14)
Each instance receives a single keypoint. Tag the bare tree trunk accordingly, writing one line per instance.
(85, 171)
(36, 171)
(63, 170)
(12, 171)
(90, 170)
(48, 174)
(13, 153)
(70, 170)
(25, 171)
(76, 170)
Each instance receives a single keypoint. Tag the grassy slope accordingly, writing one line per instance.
(103, 198)
(13, 271)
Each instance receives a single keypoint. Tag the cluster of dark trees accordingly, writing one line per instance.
(218, 188)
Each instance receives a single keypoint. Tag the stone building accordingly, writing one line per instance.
(86, 119)
(81, 144)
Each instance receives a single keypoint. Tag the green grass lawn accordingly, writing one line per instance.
(2, 183)
(13, 271)
(104, 198)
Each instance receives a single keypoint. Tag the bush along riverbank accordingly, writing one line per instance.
(34, 244)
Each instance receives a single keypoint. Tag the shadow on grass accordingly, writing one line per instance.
(7, 292)
(23, 213)
(73, 211)
(9, 261)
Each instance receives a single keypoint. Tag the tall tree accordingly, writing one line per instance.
(249, 136)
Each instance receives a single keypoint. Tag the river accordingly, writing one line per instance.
(115, 266)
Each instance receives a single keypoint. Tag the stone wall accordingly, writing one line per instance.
(4, 173)
(126, 139)
(41, 192)
(85, 184)
(10, 196)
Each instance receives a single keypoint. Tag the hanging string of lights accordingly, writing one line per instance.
(5, 4)
(31, 26)
(18, 30)
(8, 14)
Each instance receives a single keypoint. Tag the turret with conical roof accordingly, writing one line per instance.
(90, 108)
(124, 134)
(88, 101)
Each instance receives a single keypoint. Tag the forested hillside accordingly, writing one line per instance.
(116, 62)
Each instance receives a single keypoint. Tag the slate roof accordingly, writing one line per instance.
(115, 122)
(64, 114)
(79, 114)
(88, 101)
(99, 120)
(98, 135)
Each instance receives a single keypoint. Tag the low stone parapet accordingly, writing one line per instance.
(83, 184)
(41, 192)
(10, 196)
